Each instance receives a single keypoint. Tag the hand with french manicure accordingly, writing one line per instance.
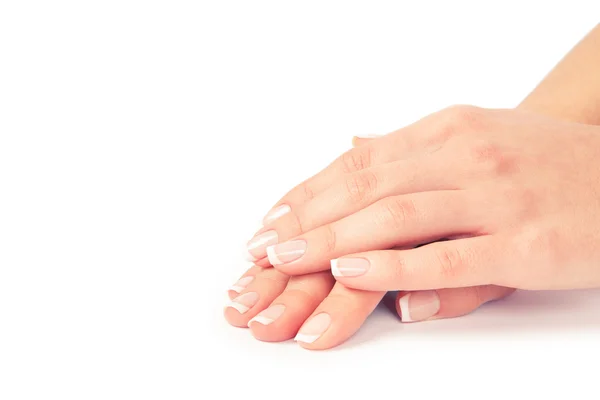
(277, 307)
(453, 211)
(517, 194)
(485, 200)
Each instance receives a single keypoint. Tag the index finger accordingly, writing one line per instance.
(397, 145)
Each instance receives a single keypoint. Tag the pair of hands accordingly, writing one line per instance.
(453, 211)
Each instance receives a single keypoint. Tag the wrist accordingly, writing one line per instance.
(557, 108)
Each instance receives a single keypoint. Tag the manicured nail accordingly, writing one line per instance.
(269, 315)
(313, 329)
(244, 302)
(256, 247)
(275, 213)
(286, 252)
(241, 284)
(419, 306)
(348, 267)
(369, 136)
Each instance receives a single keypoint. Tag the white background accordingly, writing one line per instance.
(142, 141)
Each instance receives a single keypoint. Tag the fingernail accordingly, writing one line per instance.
(269, 315)
(241, 284)
(256, 247)
(419, 306)
(275, 213)
(369, 136)
(244, 302)
(286, 252)
(313, 329)
(348, 267)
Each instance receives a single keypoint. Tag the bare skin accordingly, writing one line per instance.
(481, 143)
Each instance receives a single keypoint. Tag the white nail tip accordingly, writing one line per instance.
(237, 289)
(272, 256)
(261, 320)
(248, 256)
(242, 284)
(370, 136)
(335, 271)
(404, 310)
(306, 338)
(277, 212)
(240, 307)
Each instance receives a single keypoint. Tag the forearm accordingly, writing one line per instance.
(571, 91)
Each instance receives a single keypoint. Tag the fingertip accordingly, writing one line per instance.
(337, 318)
(263, 329)
(263, 263)
(403, 310)
(362, 140)
(424, 305)
(334, 268)
(313, 333)
(233, 314)
(287, 313)
(418, 305)
(305, 340)
(349, 270)
(239, 286)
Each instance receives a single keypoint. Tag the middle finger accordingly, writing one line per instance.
(406, 220)
(355, 191)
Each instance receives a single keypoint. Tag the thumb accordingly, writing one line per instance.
(446, 303)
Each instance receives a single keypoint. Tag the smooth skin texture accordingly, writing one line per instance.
(522, 190)
(572, 70)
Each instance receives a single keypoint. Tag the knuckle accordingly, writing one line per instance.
(450, 262)
(525, 200)
(309, 193)
(461, 119)
(401, 270)
(490, 158)
(542, 246)
(467, 116)
(329, 239)
(298, 219)
(361, 186)
(357, 159)
(399, 212)
(484, 152)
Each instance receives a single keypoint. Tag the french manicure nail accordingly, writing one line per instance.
(248, 256)
(256, 247)
(241, 284)
(348, 267)
(419, 306)
(275, 213)
(269, 315)
(244, 302)
(286, 252)
(313, 329)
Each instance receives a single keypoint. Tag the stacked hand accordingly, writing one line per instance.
(453, 211)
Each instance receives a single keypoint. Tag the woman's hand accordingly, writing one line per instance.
(570, 92)
(519, 194)
(275, 306)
